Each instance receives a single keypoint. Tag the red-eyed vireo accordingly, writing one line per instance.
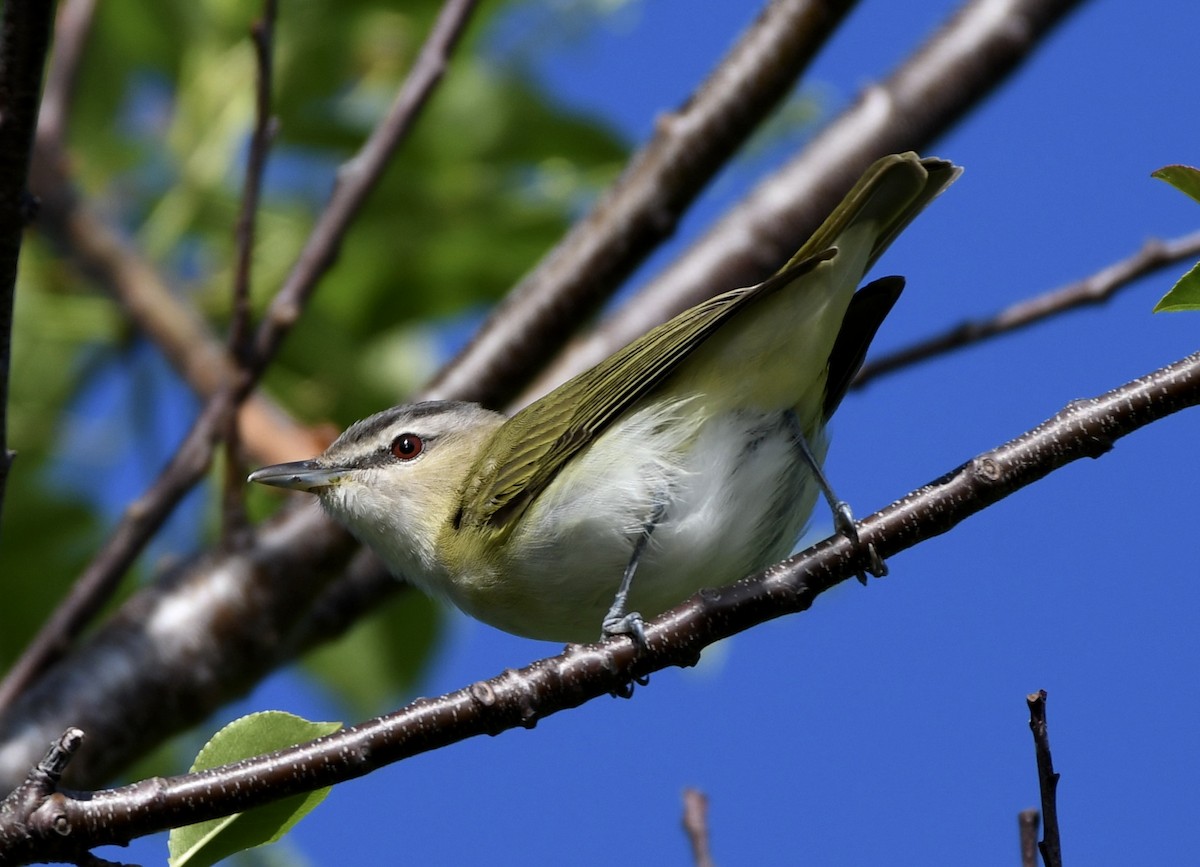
(688, 459)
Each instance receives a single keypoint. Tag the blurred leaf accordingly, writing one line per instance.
(387, 653)
(257, 734)
(46, 540)
(1183, 178)
(1184, 295)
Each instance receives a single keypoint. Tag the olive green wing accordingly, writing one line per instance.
(529, 449)
(885, 192)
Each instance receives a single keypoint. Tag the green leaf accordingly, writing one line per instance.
(1184, 295)
(1186, 179)
(208, 842)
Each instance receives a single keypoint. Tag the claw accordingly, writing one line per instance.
(843, 522)
(630, 624)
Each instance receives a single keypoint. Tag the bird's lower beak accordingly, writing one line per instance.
(298, 475)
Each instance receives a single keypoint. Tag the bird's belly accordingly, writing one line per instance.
(731, 500)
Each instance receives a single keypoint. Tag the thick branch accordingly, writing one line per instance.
(24, 40)
(972, 54)
(141, 521)
(522, 697)
(225, 621)
(644, 205)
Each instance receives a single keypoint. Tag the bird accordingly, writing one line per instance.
(688, 459)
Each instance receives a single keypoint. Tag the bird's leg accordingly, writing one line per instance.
(843, 517)
(618, 621)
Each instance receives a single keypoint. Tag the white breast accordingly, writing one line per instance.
(732, 494)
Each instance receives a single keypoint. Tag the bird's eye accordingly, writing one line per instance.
(407, 446)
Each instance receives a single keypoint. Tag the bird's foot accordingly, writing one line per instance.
(617, 622)
(843, 522)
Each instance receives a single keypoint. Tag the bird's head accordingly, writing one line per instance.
(395, 478)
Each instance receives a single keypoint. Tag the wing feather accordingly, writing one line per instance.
(531, 448)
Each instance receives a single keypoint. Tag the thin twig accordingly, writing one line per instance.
(1027, 825)
(356, 178)
(262, 34)
(95, 248)
(969, 56)
(72, 28)
(24, 40)
(1094, 289)
(695, 825)
(1050, 846)
(142, 519)
(644, 205)
(1084, 429)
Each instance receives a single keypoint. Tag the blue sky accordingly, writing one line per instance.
(888, 724)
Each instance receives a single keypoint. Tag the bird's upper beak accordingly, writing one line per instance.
(298, 475)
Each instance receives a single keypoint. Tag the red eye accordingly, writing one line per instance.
(407, 446)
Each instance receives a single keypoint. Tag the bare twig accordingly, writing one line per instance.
(1094, 289)
(1027, 824)
(644, 205)
(357, 177)
(24, 40)
(695, 825)
(142, 519)
(262, 33)
(966, 59)
(522, 697)
(95, 248)
(72, 28)
(1050, 846)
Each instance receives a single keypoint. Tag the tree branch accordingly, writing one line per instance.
(371, 580)
(76, 691)
(644, 205)
(176, 650)
(101, 577)
(142, 519)
(520, 698)
(1050, 846)
(92, 246)
(1094, 289)
(71, 31)
(974, 52)
(695, 825)
(1027, 825)
(24, 39)
(233, 511)
(357, 177)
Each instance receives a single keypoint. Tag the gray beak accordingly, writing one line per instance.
(298, 476)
